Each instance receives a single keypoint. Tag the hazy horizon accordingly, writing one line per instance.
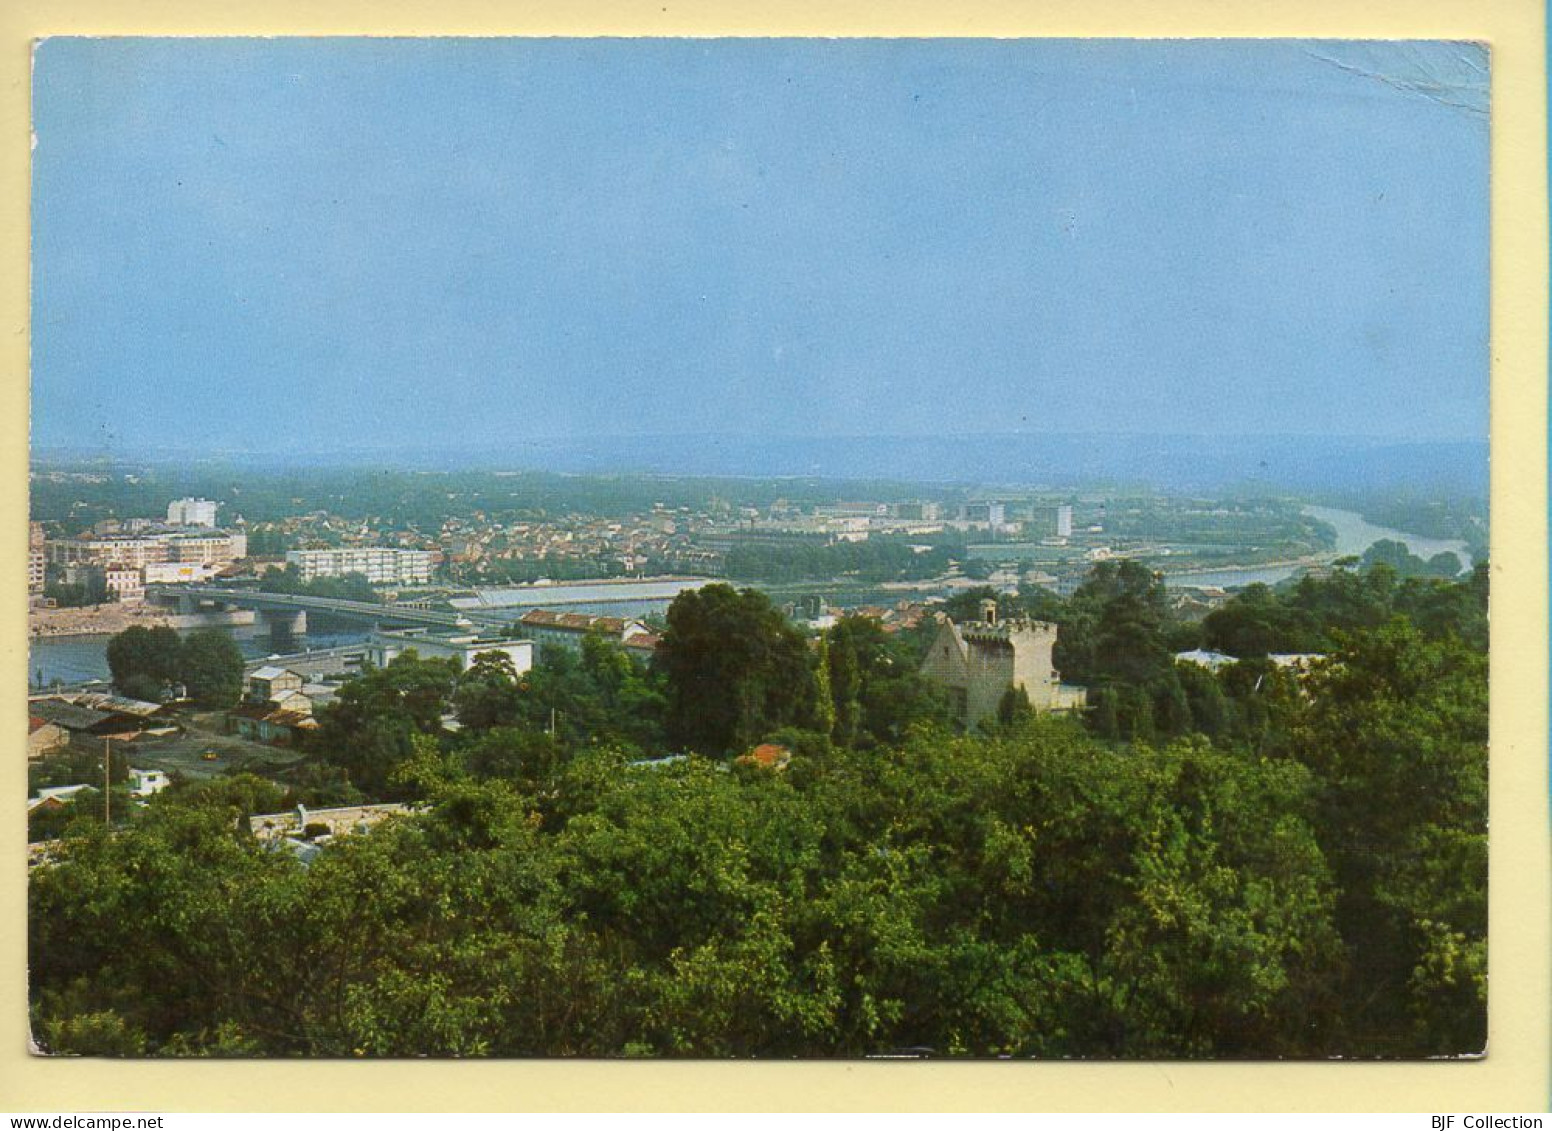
(1291, 463)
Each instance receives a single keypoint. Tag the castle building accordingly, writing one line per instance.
(980, 661)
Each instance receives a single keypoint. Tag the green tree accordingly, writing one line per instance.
(142, 658)
(211, 668)
(487, 695)
(734, 670)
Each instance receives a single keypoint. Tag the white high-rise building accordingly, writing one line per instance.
(191, 512)
(1064, 521)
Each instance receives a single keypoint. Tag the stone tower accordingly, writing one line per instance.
(979, 660)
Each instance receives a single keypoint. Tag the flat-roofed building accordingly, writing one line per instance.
(462, 647)
(217, 547)
(191, 512)
(37, 559)
(381, 565)
(176, 573)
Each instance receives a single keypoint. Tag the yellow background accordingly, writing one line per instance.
(1514, 1075)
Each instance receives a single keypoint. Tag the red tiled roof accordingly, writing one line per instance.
(768, 755)
(573, 622)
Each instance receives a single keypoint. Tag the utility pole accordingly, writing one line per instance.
(107, 783)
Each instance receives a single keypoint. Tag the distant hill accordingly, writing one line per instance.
(1296, 463)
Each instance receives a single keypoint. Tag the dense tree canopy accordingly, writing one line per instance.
(1253, 861)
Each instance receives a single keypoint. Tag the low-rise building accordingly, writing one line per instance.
(274, 707)
(265, 722)
(324, 822)
(179, 573)
(271, 683)
(44, 736)
(54, 797)
(546, 626)
(147, 783)
(1205, 658)
(463, 647)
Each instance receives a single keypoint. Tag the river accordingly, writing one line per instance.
(1354, 535)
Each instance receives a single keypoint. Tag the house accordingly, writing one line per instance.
(147, 783)
(767, 756)
(54, 797)
(1202, 658)
(271, 683)
(44, 736)
(980, 661)
(81, 722)
(274, 707)
(546, 626)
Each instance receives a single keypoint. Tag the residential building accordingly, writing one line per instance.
(980, 661)
(36, 557)
(147, 783)
(545, 626)
(216, 549)
(991, 513)
(767, 756)
(191, 512)
(272, 684)
(274, 707)
(117, 581)
(43, 736)
(138, 551)
(54, 797)
(382, 565)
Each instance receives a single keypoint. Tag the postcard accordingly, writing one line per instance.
(779, 548)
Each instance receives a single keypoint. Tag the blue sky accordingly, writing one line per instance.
(275, 244)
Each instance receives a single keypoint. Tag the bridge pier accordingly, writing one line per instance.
(284, 624)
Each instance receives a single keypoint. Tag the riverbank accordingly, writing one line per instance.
(1289, 564)
(93, 620)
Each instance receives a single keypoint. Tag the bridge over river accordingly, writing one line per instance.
(288, 611)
